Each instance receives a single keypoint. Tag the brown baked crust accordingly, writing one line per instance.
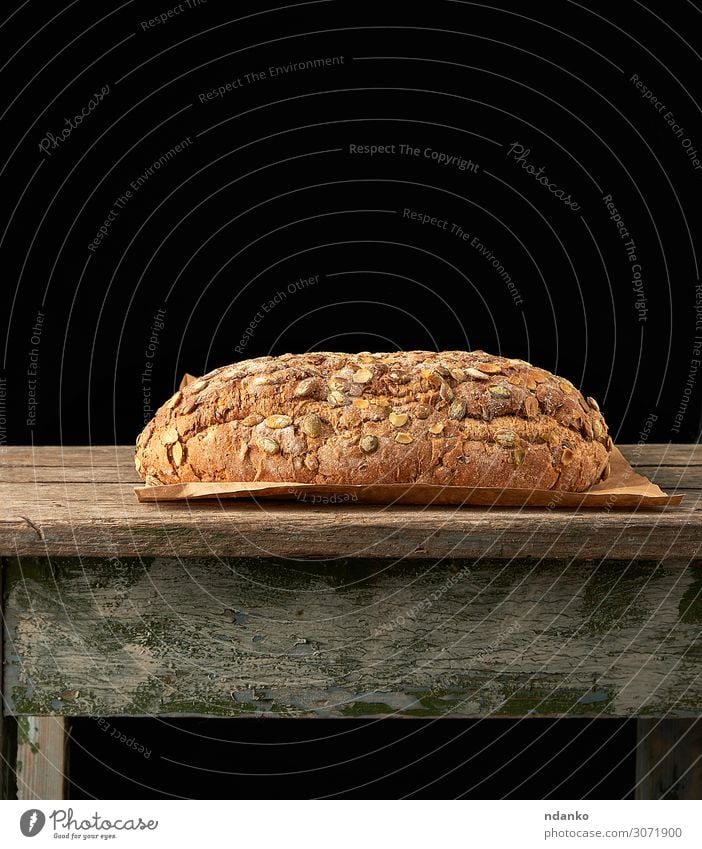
(451, 418)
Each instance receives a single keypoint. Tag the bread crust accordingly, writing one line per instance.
(451, 418)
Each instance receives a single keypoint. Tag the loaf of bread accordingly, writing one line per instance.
(451, 418)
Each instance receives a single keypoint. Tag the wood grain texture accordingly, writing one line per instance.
(41, 758)
(669, 759)
(80, 502)
(354, 638)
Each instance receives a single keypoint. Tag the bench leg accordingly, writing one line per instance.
(5, 755)
(41, 757)
(668, 759)
(32, 748)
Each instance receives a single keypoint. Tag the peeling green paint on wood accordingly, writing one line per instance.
(353, 638)
(691, 601)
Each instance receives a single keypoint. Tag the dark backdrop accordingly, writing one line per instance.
(242, 192)
(252, 226)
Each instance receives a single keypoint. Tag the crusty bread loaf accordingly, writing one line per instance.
(450, 418)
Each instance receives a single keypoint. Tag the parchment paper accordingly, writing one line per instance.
(624, 489)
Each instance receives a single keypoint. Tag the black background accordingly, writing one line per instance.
(268, 192)
(353, 759)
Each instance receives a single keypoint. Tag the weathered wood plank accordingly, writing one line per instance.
(115, 463)
(79, 501)
(31, 476)
(669, 759)
(673, 478)
(668, 477)
(100, 523)
(354, 638)
(41, 757)
(87, 520)
(69, 455)
(66, 455)
(668, 454)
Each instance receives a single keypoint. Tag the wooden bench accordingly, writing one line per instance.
(115, 608)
